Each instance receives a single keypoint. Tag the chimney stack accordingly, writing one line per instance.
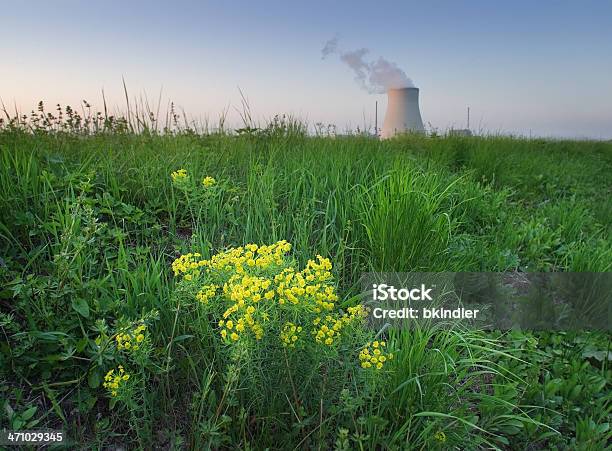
(403, 114)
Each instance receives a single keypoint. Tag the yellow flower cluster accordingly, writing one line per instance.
(179, 176)
(208, 181)
(289, 334)
(308, 286)
(113, 380)
(257, 290)
(237, 260)
(330, 326)
(245, 288)
(233, 330)
(374, 355)
(245, 292)
(206, 293)
(130, 341)
(188, 265)
(251, 256)
(440, 436)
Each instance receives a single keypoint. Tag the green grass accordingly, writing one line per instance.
(90, 224)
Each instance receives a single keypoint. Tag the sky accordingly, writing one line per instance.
(539, 68)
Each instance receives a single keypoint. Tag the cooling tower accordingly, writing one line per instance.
(403, 114)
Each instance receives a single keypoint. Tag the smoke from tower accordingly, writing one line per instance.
(377, 76)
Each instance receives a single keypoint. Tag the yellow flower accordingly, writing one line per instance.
(206, 293)
(289, 334)
(113, 380)
(208, 182)
(440, 436)
(179, 176)
(373, 354)
(189, 264)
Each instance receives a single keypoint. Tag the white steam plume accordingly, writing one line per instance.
(377, 76)
(330, 47)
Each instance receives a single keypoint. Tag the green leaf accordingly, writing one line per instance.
(46, 336)
(575, 393)
(81, 344)
(503, 440)
(94, 379)
(29, 413)
(81, 307)
(17, 423)
(181, 338)
(33, 423)
(56, 407)
(9, 410)
(591, 353)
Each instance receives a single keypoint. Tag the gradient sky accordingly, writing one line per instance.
(541, 68)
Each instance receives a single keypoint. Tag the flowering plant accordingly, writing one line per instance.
(273, 322)
(255, 292)
(198, 199)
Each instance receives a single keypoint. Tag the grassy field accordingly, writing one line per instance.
(91, 224)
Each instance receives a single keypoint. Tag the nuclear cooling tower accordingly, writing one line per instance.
(403, 114)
